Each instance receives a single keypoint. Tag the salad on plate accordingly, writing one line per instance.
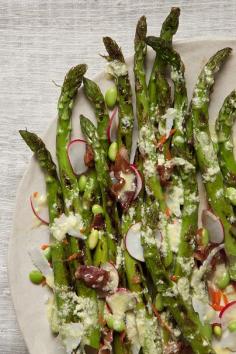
(132, 265)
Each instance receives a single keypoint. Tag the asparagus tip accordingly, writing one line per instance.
(141, 29)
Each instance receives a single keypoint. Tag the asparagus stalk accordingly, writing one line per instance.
(55, 207)
(178, 305)
(142, 99)
(103, 177)
(70, 188)
(158, 87)
(206, 154)
(181, 148)
(126, 115)
(95, 96)
(224, 124)
(147, 141)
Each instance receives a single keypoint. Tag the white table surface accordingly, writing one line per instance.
(39, 41)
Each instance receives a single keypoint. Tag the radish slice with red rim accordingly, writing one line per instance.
(227, 341)
(139, 181)
(76, 150)
(228, 314)
(213, 225)
(41, 213)
(113, 126)
(205, 312)
(113, 281)
(199, 273)
(133, 242)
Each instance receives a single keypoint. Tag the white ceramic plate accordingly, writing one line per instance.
(29, 300)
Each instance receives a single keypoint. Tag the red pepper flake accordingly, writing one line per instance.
(174, 278)
(101, 320)
(164, 138)
(73, 257)
(158, 316)
(44, 246)
(168, 212)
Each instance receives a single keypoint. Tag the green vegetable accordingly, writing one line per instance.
(54, 197)
(104, 180)
(217, 331)
(223, 280)
(147, 141)
(97, 209)
(95, 96)
(232, 326)
(205, 237)
(159, 303)
(36, 277)
(82, 183)
(230, 193)
(93, 239)
(124, 93)
(70, 189)
(113, 150)
(224, 125)
(114, 323)
(158, 87)
(206, 154)
(48, 253)
(186, 318)
(111, 97)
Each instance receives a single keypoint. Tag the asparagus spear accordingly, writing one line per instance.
(206, 154)
(181, 148)
(142, 99)
(95, 96)
(55, 207)
(158, 87)
(126, 114)
(224, 126)
(179, 304)
(103, 177)
(70, 188)
(147, 141)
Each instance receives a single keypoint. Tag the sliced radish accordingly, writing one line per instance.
(199, 273)
(228, 340)
(205, 312)
(213, 225)
(139, 181)
(113, 126)
(76, 150)
(133, 242)
(113, 282)
(42, 264)
(40, 213)
(228, 314)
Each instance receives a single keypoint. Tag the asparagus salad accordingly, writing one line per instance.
(131, 266)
